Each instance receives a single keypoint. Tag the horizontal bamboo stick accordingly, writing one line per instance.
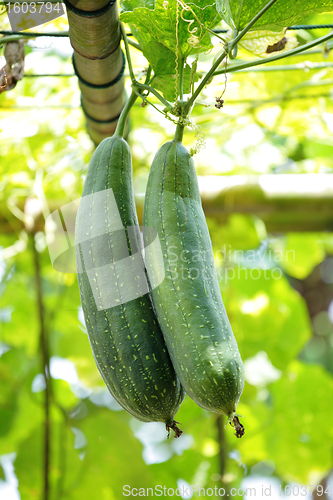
(284, 202)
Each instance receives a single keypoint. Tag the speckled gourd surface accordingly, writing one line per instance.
(188, 303)
(126, 340)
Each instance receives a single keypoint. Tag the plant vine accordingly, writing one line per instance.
(177, 53)
(179, 111)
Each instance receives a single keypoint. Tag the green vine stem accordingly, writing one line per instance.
(127, 50)
(148, 75)
(134, 44)
(124, 114)
(179, 132)
(293, 52)
(222, 452)
(288, 67)
(181, 78)
(44, 345)
(151, 80)
(240, 35)
(141, 86)
(233, 52)
(13, 38)
(203, 82)
(228, 49)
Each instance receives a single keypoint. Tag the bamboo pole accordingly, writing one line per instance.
(98, 62)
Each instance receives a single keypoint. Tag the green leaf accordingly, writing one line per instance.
(24, 415)
(252, 298)
(163, 62)
(2, 474)
(29, 465)
(130, 5)
(281, 15)
(161, 25)
(291, 427)
(257, 417)
(16, 371)
(302, 405)
(241, 232)
(110, 442)
(22, 330)
(302, 252)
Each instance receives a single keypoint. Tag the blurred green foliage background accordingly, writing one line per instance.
(277, 288)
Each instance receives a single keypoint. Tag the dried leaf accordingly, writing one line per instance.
(265, 43)
(13, 70)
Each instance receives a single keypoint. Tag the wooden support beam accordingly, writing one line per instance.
(284, 202)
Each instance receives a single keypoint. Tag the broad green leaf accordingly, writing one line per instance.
(257, 416)
(112, 457)
(302, 252)
(69, 341)
(302, 407)
(252, 298)
(64, 396)
(281, 15)
(2, 474)
(240, 232)
(16, 371)
(163, 63)
(29, 465)
(22, 330)
(327, 240)
(286, 427)
(318, 149)
(192, 460)
(25, 410)
(130, 5)
(182, 37)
